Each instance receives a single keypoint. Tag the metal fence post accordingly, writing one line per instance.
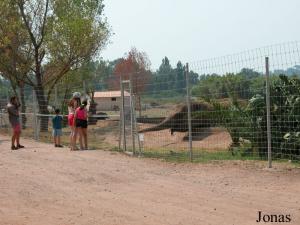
(19, 100)
(188, 101)
(135, 127)
(120, 119)
(132, 108)
(123, 117)
(35, 123)
(268, 111)
(84, 87)
(55, 97)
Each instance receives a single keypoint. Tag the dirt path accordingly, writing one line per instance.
(45, 186)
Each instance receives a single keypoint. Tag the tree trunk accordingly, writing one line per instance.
(140, 106)
(64, 102)
(43, 107)
(41, 97)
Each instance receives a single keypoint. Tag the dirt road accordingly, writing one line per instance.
(41, 185)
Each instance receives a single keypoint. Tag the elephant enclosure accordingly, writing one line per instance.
(220, 108)
(211, 139)
(44, 185)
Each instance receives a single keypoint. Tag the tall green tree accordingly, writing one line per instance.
(15, 61)
(168, 81)
(180, 82)
(61, 36)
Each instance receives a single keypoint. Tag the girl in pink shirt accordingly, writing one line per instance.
(81, 123)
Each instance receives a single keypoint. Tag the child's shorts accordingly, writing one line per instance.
(57, 132)
(17, 128)
(81, 123)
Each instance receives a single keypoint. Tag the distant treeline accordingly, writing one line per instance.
(241, 85)
(168, 81)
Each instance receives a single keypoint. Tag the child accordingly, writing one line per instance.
(81, 124)
(73, 104)
(57, 126)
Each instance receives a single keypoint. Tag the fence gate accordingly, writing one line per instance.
(129, 141)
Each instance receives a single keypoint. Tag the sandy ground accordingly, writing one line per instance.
(41, 185)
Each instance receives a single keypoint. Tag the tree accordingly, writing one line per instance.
(180, 77)
(135, 66)
(241, 85)
(60, 36)
(166, 77)
(105, 73)
(168, 81)
(14, 60)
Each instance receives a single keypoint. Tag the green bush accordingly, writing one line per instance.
(250, 122)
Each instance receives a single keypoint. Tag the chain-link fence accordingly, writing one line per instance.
(215, 109)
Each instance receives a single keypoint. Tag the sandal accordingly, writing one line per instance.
(14, 148)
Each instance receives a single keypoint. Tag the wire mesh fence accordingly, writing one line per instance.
(206, 110)
(240, 101)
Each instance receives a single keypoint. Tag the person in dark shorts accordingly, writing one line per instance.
(81, 123)
(14, 119)
(74, 103)
(57, 128)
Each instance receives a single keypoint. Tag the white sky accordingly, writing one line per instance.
(191, 30)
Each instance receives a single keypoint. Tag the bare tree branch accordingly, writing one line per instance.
(43, 25)
(21, 7)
